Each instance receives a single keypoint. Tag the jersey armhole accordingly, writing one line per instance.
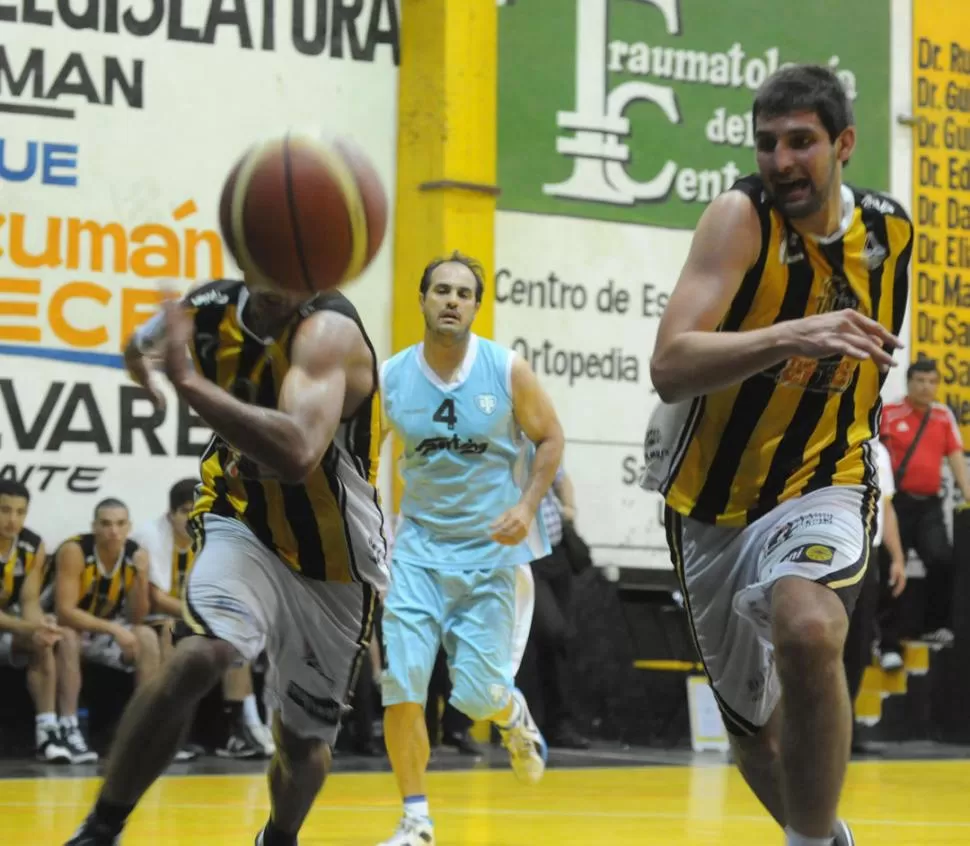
(509, 361)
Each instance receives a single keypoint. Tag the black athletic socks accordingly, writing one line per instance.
(272, 836)
(111, 815)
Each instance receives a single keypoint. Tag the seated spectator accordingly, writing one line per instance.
(920, 433)
(28, 637)
(168, 544)
(101, 595)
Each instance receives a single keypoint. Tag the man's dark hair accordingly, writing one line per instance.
(11, 487)
(922, 365)
(110, 502)
(182, 492)
(805, 88)
(458, 258)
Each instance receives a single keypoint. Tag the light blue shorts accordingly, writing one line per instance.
(472, 613)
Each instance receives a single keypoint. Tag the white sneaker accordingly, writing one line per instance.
(843, 834)
(50, 747)
(77, 746)
(527, 747)
(412, 831)
(264, 736)
(891, 661)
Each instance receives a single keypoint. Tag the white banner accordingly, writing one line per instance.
(581, 300)
(118, 124)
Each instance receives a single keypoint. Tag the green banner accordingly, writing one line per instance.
(640, 110)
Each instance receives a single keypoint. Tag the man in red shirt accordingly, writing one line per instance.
(919, 433)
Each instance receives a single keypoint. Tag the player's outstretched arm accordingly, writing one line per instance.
(690, 358)
(289, 441)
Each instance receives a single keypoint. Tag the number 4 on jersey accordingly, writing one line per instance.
(446, 413)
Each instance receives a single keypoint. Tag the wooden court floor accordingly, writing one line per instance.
(907, 803)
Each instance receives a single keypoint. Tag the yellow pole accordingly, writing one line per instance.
(445, 154)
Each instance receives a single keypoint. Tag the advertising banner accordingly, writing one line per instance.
(941, 198)
(619, 121)
(118, 125)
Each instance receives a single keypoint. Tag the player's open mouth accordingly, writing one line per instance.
(796, 189)
(449, 316)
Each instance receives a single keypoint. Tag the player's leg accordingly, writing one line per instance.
(934, 550)
(809, 624)
(758, 757)
(227, 602)
(812, 558)
(68, 661)
(42, 684)
(246, 737)
(296, 774)
(525, 604)
(739, 666)
(413, 610)
(318, 646)
(479, 635)
(148, 655)
(22, 652)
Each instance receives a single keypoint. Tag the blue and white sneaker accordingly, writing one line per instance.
(412, 831)
(843, 834)
(528, 752)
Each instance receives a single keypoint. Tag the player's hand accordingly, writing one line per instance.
(844, 333)
(512, 526)
(569, 514)
(897, 576)
(178, 334)
(45, 634)
(127, 641)
(142, 374)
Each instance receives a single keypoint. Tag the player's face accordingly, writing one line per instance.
(13, 513)
(449, 304)
(923, 387)
(799, 163)
(180, 518)
(268, 307)
(111, 527)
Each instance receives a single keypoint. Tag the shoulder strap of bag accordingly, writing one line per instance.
(904, 464)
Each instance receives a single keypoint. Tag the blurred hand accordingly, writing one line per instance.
(512, 526)
(897, 576)
(128, 643)
(46, 634)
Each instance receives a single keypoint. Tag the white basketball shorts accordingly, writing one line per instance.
(315, 633)
(727, 575)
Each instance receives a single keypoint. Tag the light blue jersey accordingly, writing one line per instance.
(463, 459)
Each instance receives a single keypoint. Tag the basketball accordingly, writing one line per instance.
(303, 215)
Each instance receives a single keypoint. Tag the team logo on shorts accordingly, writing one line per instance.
(486, 402)
(815, 553)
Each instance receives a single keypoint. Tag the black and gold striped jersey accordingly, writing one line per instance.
(805, 423)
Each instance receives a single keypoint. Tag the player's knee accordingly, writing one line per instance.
(148, 648)
(300, 753)
(199, 662)
(808, 638)
(407, 682)
(479, 702)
